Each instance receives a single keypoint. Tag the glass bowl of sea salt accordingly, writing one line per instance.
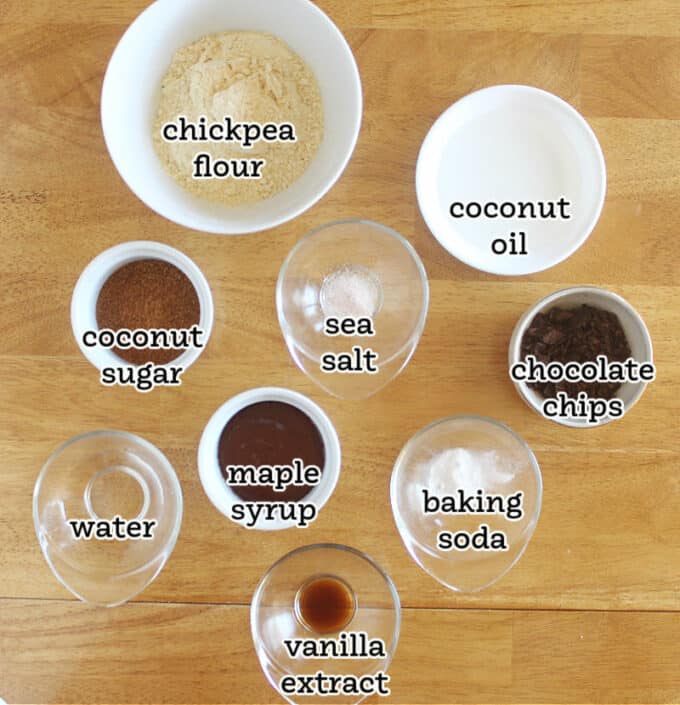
(352, 299)
(466, 495)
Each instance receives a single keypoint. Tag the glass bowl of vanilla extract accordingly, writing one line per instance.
(325, 608)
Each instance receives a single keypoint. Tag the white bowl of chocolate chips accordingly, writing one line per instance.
(578, 325)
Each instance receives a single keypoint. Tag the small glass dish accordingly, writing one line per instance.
(275, 617)
(465, 454)
(318, 280)
(95, 478)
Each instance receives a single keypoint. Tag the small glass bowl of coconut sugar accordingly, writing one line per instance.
(352, 300)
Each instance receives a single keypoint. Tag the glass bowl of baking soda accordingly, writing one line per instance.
(352, 300)
(466, 495)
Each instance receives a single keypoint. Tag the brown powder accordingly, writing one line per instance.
(148, 293)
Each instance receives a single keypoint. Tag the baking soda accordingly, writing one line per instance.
(467, 470)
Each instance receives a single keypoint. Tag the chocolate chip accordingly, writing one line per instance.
(575, 335)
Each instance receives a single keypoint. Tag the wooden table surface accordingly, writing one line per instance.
(592, 611)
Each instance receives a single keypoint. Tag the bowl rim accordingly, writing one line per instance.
(552, 299)
(224, 228)
(254, 603)
(573, 114)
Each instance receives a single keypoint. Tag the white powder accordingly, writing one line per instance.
(351, 291)
(463, 469)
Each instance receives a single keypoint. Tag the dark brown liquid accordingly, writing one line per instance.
(326, 605)
(270, 433)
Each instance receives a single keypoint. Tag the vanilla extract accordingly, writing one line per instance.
(348, 645)
(325, 604)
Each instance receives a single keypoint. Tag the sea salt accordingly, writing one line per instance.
(351, 291)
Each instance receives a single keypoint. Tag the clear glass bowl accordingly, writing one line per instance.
(99, 476)
(394, 294)
(465, 453)
(274, 615)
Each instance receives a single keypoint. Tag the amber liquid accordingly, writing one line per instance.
(325, 605)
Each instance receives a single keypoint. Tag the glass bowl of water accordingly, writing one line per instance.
(107, 508)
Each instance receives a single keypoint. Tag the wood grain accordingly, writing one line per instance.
(591, 613)
(471, 655)
(627, 17)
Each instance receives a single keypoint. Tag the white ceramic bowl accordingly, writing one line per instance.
(89, 285)
(510, 144)
(130, 98)
(221, 495)
(634, 327)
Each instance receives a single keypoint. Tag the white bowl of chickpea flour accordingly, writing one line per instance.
(206, 62)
